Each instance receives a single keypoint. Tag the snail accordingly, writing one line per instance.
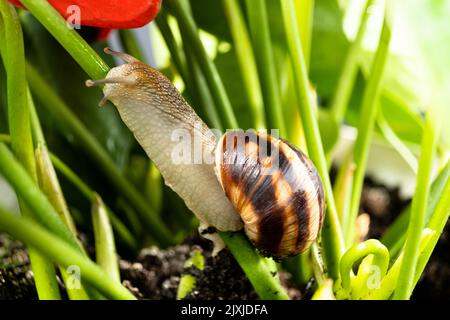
(249, 180)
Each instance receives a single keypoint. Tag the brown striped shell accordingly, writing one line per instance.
(275, 188)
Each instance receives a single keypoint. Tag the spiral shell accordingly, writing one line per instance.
(275, 188)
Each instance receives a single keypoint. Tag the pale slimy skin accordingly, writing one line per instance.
(153, 109)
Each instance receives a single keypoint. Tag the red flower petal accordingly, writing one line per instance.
(109, 13)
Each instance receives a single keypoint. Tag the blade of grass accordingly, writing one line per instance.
(52, 246)
(266, 285)
(43, 92)
(366, 125)
(349, 70)
(305, 16)
(49, 184)
(246, 60)
(332, 236)
(418, 210)
(105, 248)
(187, 24)
(262, 44)
(85, 56)
(19, 126)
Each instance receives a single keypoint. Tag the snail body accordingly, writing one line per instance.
(282, 208)
(275, 188)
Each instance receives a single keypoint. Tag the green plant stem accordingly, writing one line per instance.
(394, 237)
(305, 17)
(105, 248)
(266, 285)
(120, 228)
(342, 189)
(177, 55)
(187, 23)
(418, 210)
(349, 70)
(246, 60)
(61, 252)
(202, 94)
(85, 56)
(19, 126)
(437, 224)
(389, 282)
(396, 142)
(332, 234)
(262, 44)
(43, 92)
(130, 44)
(359, 251)
(366, 125)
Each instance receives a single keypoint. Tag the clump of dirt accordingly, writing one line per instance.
(16, 279)
(156, 274)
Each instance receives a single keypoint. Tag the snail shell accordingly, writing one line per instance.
(275, 188)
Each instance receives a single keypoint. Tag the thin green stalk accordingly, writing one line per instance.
(43, 92)
(49, 184)
(396, 142)
(188, 68)
(262, 44)
(85, 56)
(437, 224)
(105, 247)
(177, 55)
(366, 125)
(331, 234)
(342, 189)
(130, 44)
(187, 23)
(305, 17)
(394, 237)
(51, 246)
(266, 285)
(120, 228)
(418, 210)
(19, 126)
(200, 87)
(349, 70)
(246, 60)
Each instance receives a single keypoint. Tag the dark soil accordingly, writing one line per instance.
(155, 273)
